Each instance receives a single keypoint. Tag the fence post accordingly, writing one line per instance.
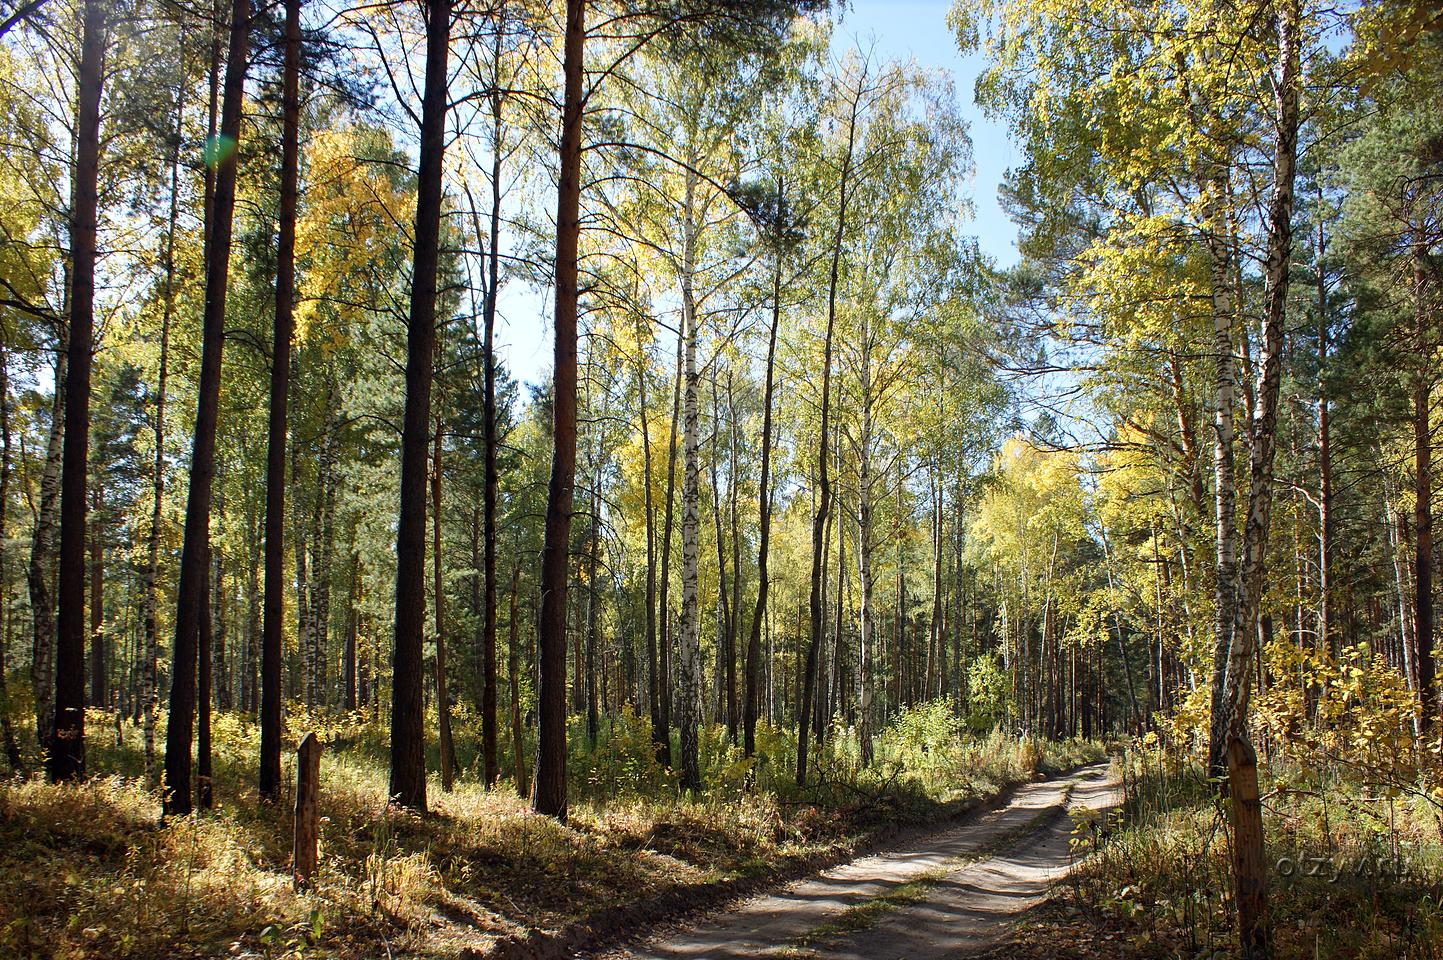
(308, 774)
(1249, 870)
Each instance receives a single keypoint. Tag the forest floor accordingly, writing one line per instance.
(1355, 870)
(948, 893)
(92, 871)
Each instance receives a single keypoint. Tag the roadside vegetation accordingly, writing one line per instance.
(89, 870)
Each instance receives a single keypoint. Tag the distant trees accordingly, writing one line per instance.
(1011, 494)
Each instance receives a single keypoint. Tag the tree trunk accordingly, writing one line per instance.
(1224, 463)
(734, 626)
(305, 621)
(273, 606)
(97, 605)
(690, 693)
(353, 627)
(203, 793)
(658, 731)
(41, 572)
(408, 712)
(593, 601)
(550, 795)
(321, 573)
(491, 480)
(194, 552)
(1422, 504)
(222, 683)
(518, 747)
(864, 562)
(438, 589)
(1325, 461)
(7, 731)
(663, 660)
(67, 746)
(725, 676)
(1229, 721)
(824, 485)
(764, 513)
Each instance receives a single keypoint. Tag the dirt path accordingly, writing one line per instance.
(945, 895)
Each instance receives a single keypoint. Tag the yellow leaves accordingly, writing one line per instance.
(352, 216)
(1035, 495)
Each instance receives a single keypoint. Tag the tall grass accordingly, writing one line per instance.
(1352, 873)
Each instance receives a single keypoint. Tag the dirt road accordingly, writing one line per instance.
(944, 895)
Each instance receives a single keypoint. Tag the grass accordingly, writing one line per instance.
(1353, 872)
(864, 915)
(90, 870)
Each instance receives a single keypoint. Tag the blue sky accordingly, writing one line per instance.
(917, 30)
(895, 30)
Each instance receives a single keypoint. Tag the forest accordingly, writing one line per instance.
(604, 433)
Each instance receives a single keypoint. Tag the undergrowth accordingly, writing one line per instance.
(1353, 871)
(90, 870)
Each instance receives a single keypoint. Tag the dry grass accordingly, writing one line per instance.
(90, 871)
(1353, 873)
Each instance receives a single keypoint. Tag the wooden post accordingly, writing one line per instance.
(308, 775)
(1249, 869)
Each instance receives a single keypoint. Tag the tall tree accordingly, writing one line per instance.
(408, 734)
(273, 605)
(1237, 677)
(191, 594)
(550, 790)
(67, 747)
(856, 94)
(689, 676)
(780, 234)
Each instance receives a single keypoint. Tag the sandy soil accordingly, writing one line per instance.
(947, 894)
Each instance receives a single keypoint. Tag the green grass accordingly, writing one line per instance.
(865, 915)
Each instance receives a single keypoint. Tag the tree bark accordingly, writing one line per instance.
(1224, 462)
(690, 679)
(658, 731)
(1422, 503)
(273, 605)
(550, 795)
(734, 718)
(203, 792)
(663, 659)
(864, 560)
(353, 626)
(518, 745)
(67, 747)
(7, 731)
(408, 733)
(1325, 459)
(764, 513)
(438, 589)
(824, 485)
(593, 602)
(1229, 721)
(725, 676)
(41, 572)
(97, 605)
(194, 552)
(491, 480)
